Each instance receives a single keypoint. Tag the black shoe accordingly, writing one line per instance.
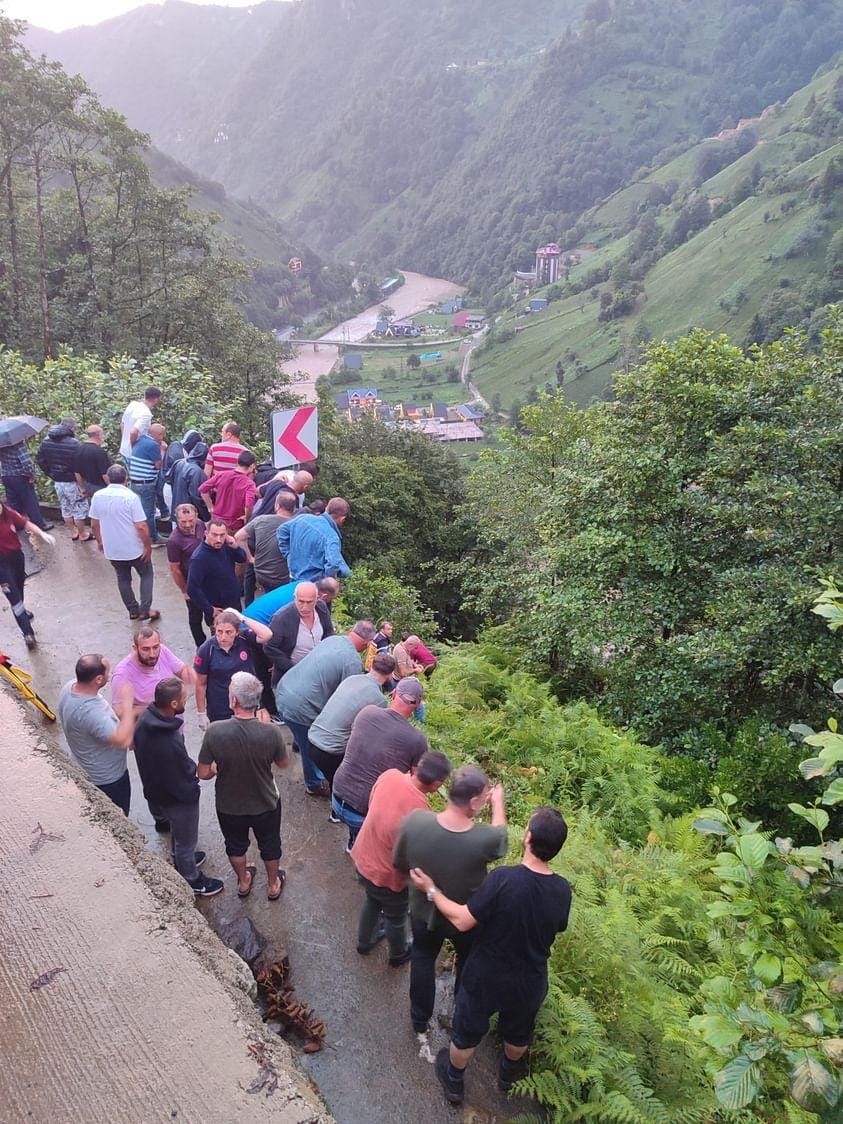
(30, 641)
(452, 1086)
(48, 527)
(509, 1072)
(400, 961)
(162, 825)
(135, 615)
(377, 937)
(206, 887)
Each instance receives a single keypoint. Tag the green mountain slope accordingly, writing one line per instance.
(763, 258)
(446, 134)
(273, 293)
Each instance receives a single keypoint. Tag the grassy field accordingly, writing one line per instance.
(388, 371)
(717, 279)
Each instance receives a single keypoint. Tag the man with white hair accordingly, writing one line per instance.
(240, 752)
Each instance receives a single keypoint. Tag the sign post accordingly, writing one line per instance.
(294, 436)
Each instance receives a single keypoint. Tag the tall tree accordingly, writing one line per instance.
(664, 559)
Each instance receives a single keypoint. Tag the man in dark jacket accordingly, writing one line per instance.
(186, 476)
(56, 458)
(297, 629)
(169, 779)
(178, 451)
(212, 582)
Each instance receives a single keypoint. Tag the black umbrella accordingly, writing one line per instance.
(19, 428)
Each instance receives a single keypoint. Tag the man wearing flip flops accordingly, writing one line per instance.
(240, 753)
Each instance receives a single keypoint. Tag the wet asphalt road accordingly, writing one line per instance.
(369, 1071)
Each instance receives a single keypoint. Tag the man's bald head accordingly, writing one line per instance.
(301, 481)
(305, 597)
(285, 503)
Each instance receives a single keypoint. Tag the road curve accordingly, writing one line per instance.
(311, 361)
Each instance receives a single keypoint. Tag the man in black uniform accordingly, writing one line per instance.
(518, 911)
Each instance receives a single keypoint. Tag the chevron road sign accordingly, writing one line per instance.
(294, 436)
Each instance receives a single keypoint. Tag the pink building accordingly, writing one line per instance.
(547, 263)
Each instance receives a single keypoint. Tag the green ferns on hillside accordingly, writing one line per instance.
(627, 1034)
(613, 1037)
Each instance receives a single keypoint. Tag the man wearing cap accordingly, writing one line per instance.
(380, 740)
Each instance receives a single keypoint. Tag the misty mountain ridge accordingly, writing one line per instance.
(447, 136)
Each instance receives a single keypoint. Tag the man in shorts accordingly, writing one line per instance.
(518, 911)
(455, 851)
(240, 752)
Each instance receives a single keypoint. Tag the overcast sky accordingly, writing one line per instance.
(59, 14)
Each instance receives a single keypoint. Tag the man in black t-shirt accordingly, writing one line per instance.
(92, 462)
(518, 911)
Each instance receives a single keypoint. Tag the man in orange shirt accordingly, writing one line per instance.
(395, 794)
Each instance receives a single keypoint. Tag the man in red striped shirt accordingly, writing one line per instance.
(222, 457)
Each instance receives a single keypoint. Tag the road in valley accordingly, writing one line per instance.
(313, 360)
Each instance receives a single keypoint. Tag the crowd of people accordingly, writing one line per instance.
(276, 677)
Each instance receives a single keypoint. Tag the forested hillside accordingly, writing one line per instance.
(451, 136)
(271, 294)
(96, 258)
(739, 234)
(636, 604)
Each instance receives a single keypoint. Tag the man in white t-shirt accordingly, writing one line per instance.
(136, 420)
(122, 533)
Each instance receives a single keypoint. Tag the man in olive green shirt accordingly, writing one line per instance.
(458, 850)
(240, 752)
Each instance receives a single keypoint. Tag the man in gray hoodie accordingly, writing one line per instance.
(186, 476)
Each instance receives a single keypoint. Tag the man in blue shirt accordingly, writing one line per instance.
(312, 544)
(144, 467)
(212, 582)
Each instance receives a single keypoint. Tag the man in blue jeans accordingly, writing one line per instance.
(308, 685)
(144, 470)
(169, 779)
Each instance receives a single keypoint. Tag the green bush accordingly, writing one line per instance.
(613, 1040)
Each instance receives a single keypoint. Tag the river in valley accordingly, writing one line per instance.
(313, 360)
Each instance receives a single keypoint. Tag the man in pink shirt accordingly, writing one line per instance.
(147, 664)
(422, 654)
(234, 493)
(395, 794)
(222, 456)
